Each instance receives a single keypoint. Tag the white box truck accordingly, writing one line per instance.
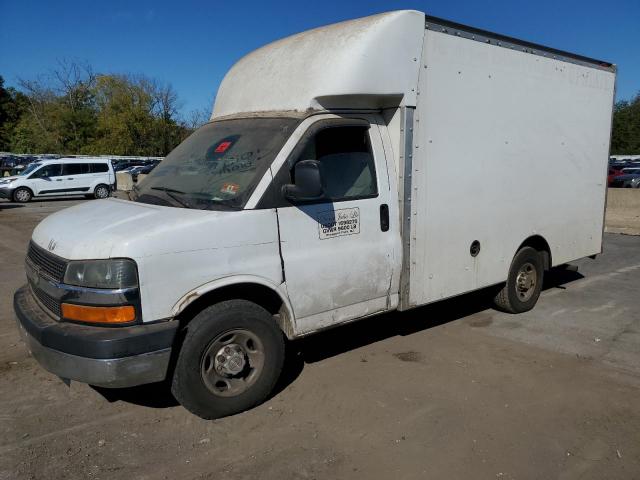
(372, 165)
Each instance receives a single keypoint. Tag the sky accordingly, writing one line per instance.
(191, 44)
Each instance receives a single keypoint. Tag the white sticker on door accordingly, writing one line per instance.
(336, 223)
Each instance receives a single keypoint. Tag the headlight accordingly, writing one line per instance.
(114, 273)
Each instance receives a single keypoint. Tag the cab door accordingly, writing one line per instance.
(338, 254)
(47, 180)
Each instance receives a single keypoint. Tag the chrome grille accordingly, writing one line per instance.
(47, 263)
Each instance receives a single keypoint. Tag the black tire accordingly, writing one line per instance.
(515, 297)
(191, 384)
(22, 195)
(101, 191)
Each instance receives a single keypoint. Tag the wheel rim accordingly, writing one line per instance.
(526, 281)
(101, 192)
(232, 362)
(22, 195)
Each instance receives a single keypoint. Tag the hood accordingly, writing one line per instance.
(8, 179)
(120, 228)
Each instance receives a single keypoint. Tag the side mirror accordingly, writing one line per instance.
(308, 186)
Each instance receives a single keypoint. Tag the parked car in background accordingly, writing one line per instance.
(144, 170)
(64, 176)
(13, 164)
(613, 173)
(624, 163)
(129, 169)
(7, 163)
(626, 180)
(134, 170)
(125, 165)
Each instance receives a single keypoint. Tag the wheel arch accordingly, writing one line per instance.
(246, 287)
(24, 187)
(539, 243)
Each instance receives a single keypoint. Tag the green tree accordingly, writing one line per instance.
(13, 104)
(137, 116)
(625, 135)
(74, 111)
(61, 115)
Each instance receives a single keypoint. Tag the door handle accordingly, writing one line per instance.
(70, 178)
(384, 217)
(58, 179)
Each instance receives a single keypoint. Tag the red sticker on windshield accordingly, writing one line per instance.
(231, 188)
(222, 147)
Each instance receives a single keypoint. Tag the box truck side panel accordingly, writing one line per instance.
(507, 145)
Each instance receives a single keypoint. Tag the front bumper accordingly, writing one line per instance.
(103, 356)
(6, 192)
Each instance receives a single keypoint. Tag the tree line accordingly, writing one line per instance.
(75, 111)
(625, 135)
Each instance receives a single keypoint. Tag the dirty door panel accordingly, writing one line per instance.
(337, 258)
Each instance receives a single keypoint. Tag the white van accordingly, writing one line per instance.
(92, 177)
(373, 165)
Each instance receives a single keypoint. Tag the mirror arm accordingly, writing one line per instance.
(292, 193)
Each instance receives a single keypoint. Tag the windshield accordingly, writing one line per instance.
(218, 166)
(30, 168)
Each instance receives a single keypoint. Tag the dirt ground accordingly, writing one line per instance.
(624, 222)
(454, 390)
(623, 211)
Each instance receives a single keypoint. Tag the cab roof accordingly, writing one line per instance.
(370, 62)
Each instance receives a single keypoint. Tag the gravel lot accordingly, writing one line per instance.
(452, 390)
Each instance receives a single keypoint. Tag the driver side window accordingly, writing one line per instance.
(344, 151)
(346, 162)
(48, 171)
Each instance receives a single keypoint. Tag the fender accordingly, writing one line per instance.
(287, 321)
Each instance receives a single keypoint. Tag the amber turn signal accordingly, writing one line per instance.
(83, 313)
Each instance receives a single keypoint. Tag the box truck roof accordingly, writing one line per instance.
(374, 61)
(370, 62)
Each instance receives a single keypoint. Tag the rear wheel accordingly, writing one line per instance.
(101, 191)
(22, 195)
(230, 360)
(524, 283)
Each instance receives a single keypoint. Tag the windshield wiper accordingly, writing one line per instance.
(171, 194)
(227, 204)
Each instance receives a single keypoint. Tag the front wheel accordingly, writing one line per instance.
(22, 195)
(524, 283)
(230, 360)
(101, 191)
